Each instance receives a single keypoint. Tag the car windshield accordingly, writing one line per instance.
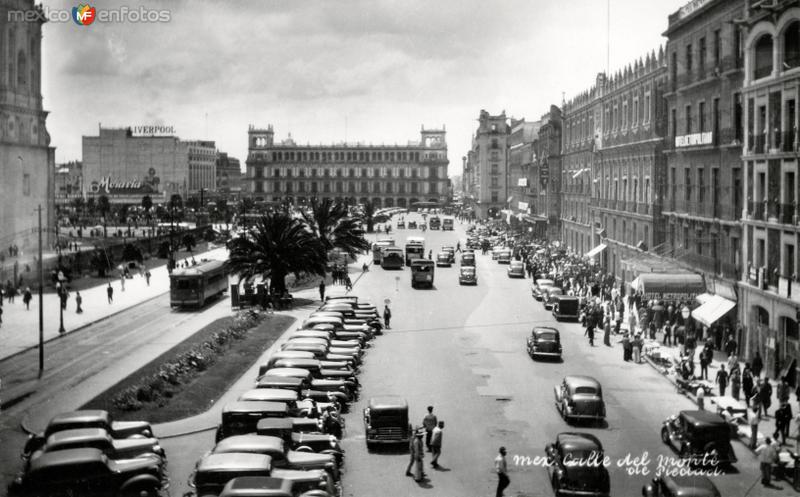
(586, 390)
(468, 271)
(546, 335)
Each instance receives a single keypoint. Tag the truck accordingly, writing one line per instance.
(377, 248)
(422, 273)
(435, 223)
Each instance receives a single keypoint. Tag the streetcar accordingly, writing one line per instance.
(193, 286)
(415, 248)
(422, 273)
(447, 224)
(435, 223)
(377, 248)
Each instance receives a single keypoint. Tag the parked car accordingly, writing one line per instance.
(280, 455)
(681, 486)
(401, 225)
(549, 296)
(443, 260)
(544, 342)
(303, 435)
(257, 486)
(451, 252)
(539, 286)
(98, 438)
(579, 398)
(311, 483)
(576, 466)
(88, 419)
(496, 251)
(702, 437)
(386, 421)
(516, 269)
(214, 471)
(89, 472)
(240, 418)
(504, 256)
(467, 275)
(566, 307)
(412, 225)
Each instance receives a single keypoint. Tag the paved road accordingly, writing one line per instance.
(461, 349)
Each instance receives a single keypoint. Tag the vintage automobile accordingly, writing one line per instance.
(549, 296)
(302, 435)
(412, 225)
(98, 438)
(443, 260)
(468, 259)
(467, 275)
(257, 486)
(241, 418)
(386, 421)
(283, 382)
(681, 486)
(277, 451)
(89, 472)
(544, 342)
(504, 256)
(580, 398)
(214, 471)
(88, 419)
(539, 286)
(702, 437)
(576, 466)
(516, 269)
(451, 251)
(401, 225)
(496, 252)
(566, 307)
(311, 483)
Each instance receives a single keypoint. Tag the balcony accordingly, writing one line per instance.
(760, 142)
(756, 210)
(643, 208)
(787, 213)
(789, 141)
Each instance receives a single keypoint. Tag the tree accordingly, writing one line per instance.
(276, 246)
(101, 262)
(103, 205)
(147, 203)
(131, 252)
(369, 216)
(91, 205)
(122, 213)
(331, 223)
(188, 241)
(176, 206)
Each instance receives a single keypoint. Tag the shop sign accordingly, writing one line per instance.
(544, 174)
(522, 182)
(669, 296)
(523, 206)
(153, 130)
(107, 185)
(694, 139)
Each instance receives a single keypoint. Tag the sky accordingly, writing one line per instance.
(326, 71)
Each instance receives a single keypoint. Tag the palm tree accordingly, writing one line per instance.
(331, 223)
(276, 246)
(369, 216)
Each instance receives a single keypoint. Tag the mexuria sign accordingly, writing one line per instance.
(110, 186)
(694, 139)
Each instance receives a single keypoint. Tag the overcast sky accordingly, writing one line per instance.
(329, 70)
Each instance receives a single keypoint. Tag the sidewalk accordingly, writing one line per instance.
(20, 328)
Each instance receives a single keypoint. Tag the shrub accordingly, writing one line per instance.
(127, 400)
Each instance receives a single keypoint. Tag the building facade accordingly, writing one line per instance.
(545, 176)
(386, 175)
(704, 196)
(202, 165)
(229, 173)
(124, 167)
(68, 182)
(769, 288)
(28, 160)
(488, 166)
(581, 135)
(520, 159)
(629, 165)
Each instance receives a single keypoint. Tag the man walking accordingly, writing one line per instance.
(429, 422)
(752, 420)
(417, 456)
(387, 316)
(322, 291)
(436, 444)
(722, 380)
(705, 359)
(110, 292)
(147, 276)
(78, 302)
(783, 416)
(26, 298)
(767, 456)
(501, 468)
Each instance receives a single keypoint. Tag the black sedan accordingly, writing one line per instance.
(544, 342)
(577, 465)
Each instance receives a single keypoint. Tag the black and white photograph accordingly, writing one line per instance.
(350, 248)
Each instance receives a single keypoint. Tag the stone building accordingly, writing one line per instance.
(487, 166)
(229, 173)
(28, 160)
(545, 176)
(769, 289)
(386, 175)
(202, 165)
(520, 158)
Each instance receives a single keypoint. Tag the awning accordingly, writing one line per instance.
(669, 286)
(713, 309)
(595, 251)
(535, 219)
(704, 297)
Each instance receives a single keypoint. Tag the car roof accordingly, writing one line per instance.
(294, 372)
(249, 443)
(545, 281)
(234, 461)
(299, 362)
(77, 435)
(516, 263)
(578, 441)
(298, 474)
(89, 415)
(69, 457)
(703, 418)
(544, 329)
(269, 379)
(255, 406)
(388, 402)
(580, 380)
(275, 424)
(563, 298)
(255, 486)
(691, 486)
(269, 395)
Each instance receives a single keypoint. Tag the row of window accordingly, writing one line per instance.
(351, 156)
(381, 172)
(788, 50)
(704, 55)
(19, 74)
(611, 188)
(290, 187)
(704, 117)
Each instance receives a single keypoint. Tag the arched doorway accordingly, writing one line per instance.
(389, 202)
(401, 202)
(377, 202)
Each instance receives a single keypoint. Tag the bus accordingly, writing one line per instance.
(435, 223)
(378, 246)
(415, 249)
(193, 286)
(392, 258)
(447, 224)
(422, 273)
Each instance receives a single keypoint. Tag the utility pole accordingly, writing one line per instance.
(41, 298)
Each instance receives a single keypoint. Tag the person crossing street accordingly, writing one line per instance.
(436, 444)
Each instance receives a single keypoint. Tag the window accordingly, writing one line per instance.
(494, 197)
(717, 47)
(674, 123)
(351, 186)
(22, 69)
(701, 117)
(277, 173)
(26, 184)
(673, 69)
(791, 46)
(715, 119)
(701, 189)
(388, 187)
(689, 59)
(701, 57)
(494, 182)
(763, 56)
(494, 168)
(687, 176)
(364, 187)
(494, 140)
(688, 119)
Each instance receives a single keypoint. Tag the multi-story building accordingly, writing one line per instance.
(386, 175)
(487, 162)
(124, 167)
(26, 177)
(581, 136)
(703, 199)
(628, 171)
(545, 176)
(68, 182)
(229, 173)
(769, 289)
(202, 165)
(520, 159)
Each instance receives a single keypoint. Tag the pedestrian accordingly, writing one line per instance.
(348, 285)
(627, 348)
(667, 334)
(797, 433)
(590, 333)
(387, 316)
(736, 383)
(758, 365)
(607, 332)
(419, 456)
(730, 345)
(436, 444)
(1, 315)
(78, 302)
(322, 291)
(147, 277)
(26, 298)
(767, 456)
(783, 416)
(752, 420)
(429, 422)
(733, 362)
(110, 292)
(700, 395)
(721, 380)
(766, 396)
(412, 456)
(501, 467)
(783, 391)
(705, 359)
(122, 281)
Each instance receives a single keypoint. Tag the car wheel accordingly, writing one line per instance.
(141, 491)
(665, 436)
